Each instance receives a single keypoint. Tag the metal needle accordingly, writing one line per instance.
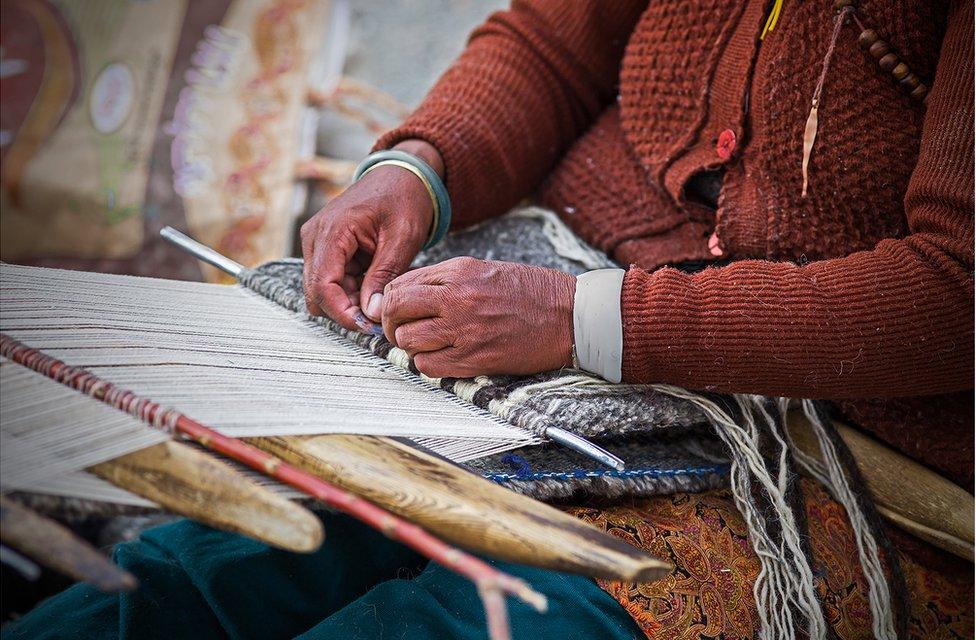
(584, 446)
(202, 251)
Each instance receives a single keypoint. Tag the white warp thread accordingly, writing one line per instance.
(50, 432)
(234, 361)
(48, 429)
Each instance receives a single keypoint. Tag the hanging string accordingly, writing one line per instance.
(810, 130)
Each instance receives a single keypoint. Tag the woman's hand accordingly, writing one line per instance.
(365, 238)
(467, 317)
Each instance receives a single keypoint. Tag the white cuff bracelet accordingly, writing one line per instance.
(597, 326)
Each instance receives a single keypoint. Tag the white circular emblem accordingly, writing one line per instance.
(111, 97)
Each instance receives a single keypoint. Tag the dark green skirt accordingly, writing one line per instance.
(197, 582)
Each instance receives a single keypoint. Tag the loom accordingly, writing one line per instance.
(243, 364)
(394, 473)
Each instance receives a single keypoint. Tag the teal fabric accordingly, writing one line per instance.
(197, 582)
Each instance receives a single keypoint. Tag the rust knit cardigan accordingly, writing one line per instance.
(863, 289)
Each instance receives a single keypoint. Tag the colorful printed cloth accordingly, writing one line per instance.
(709, 593)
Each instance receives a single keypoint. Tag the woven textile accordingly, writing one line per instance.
(660, 427)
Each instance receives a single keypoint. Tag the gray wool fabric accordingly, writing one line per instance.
(665, 441)
(517, 237)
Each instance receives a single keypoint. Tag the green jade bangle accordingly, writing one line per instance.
(442, 208)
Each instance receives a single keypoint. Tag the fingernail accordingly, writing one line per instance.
(365, 325)
(375, 306)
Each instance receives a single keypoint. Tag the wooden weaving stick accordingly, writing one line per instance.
(463, 508)
(56, 547)
(201, 487)
(913, 497)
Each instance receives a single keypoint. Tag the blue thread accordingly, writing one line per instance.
(521, 466)
(602, 473)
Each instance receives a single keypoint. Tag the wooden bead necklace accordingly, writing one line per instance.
(889, 61)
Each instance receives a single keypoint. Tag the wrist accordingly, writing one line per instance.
(409, 200)
(413, 156)
(564, 289)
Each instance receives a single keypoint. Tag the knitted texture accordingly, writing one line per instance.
(862, 289)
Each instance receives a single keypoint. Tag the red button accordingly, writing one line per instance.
(726, 144)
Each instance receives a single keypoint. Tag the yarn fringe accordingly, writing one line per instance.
(784, 591)
(860, 516)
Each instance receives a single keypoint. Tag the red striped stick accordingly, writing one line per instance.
(491, 583)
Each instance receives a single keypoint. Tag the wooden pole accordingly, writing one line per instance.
(462, 508)
(913, 497)
(193, 484)
(56, 547)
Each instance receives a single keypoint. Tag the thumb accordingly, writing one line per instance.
(389, 262)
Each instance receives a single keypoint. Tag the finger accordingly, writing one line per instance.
(407, 304)
(341, 307)
(414, 302)
(310, 306)
(443, 363)
(308, 232)
(323, 277)
(389, 261)
(429, 334)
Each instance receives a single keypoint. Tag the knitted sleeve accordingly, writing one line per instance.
(893, 321)
(528, 84)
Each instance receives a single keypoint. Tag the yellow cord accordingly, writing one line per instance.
(771, 20)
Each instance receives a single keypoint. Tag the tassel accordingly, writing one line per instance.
(810, 130)
(809, 137)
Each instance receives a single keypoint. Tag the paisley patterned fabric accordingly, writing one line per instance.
(709, 593)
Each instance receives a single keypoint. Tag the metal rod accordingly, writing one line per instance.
(563, 437)
(584, 446)
(202, 251)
